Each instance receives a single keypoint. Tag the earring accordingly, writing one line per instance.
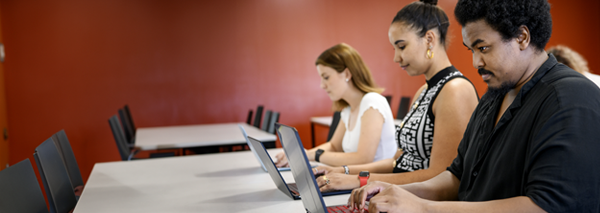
(347, 79)
(429, 52)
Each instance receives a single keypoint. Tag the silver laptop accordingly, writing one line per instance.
(253, 149)
(312, 197)
(289, 189)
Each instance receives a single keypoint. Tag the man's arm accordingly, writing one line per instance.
(396, 199)
(435, 195)
(442, 187)
(514, 204)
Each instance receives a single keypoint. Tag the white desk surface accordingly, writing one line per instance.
(326, 120)
(223, 182)
(185, 136)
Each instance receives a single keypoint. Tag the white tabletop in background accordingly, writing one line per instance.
(326, 120)
(185, 136)
(223, 182)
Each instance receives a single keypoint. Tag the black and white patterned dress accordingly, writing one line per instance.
(415, 134)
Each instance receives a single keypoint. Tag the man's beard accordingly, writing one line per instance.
(497, 91)
(501, 90)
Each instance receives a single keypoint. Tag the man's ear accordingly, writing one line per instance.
(524, 37)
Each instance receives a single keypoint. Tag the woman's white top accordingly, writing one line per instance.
(593, 77)
(386, 148)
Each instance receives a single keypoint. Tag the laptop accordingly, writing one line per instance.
(312, 198)
(253, 149)
(290, 189)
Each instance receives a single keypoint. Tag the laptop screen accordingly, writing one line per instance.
(307, 185)
(273, 172)
(253, 149)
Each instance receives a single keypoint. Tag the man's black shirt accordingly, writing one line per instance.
(546, 146)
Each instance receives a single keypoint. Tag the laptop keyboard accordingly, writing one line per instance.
(340, 209)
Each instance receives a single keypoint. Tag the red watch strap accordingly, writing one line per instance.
(363, 180)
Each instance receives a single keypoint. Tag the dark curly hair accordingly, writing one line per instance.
(506, 16)
(424, 15)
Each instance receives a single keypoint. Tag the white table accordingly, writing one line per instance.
(224, 182)
(186, 136)
(326, 121)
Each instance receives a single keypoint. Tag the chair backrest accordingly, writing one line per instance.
(258, 116)
(403, 107)
(66, 153)
(249, 118)
(119, 136)
(20, 191)
(389, 99)
(334, 123)
(274, 119)
(59, 190)
(127, 129)
(267, 118)
(129, 118)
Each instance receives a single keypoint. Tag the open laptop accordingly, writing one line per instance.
(253, 149)
(289, 189)
(307, 185)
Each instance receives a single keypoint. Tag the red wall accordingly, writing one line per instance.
(71, 64)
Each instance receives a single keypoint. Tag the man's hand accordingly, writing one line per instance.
(396, 199)
(361, 195)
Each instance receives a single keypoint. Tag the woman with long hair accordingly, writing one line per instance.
(430, 133)
(365, 132)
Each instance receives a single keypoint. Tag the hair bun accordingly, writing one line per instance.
(432, 2)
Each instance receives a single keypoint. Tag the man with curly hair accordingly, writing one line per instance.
(532, 143)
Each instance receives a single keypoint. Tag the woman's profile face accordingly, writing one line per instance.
(410, 50)
(332, 82)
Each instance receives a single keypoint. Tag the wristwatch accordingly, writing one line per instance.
(318, 154)
(363, 177)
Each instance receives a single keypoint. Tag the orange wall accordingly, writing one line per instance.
(3, 118)
(71, 64)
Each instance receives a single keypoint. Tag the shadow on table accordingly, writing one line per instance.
(109, 187)
(263, 196)
(231, 172)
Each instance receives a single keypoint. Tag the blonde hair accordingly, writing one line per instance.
(341, 57)
(569, 57)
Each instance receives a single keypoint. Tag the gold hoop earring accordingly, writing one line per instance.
(429, 53)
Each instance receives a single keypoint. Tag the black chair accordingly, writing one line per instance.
(389, 99)
(267, 118)
(258, 116)
(249, 118)
(128, 150)
(334, 122)
(20, 191)
(403, 107)
(274, 119)
(271, 129)
(129, 118)
(59, 190)
(124, 150)
(66, 153)
(127, 128)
